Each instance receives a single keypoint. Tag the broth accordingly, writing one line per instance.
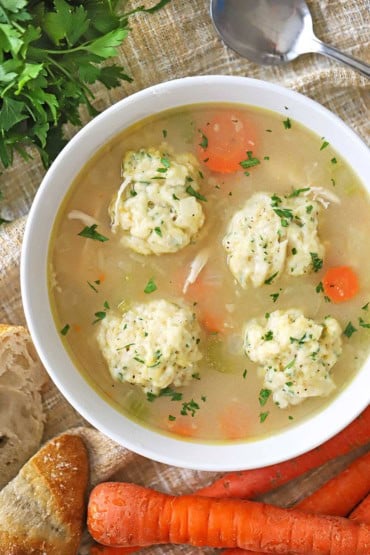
(87, 278)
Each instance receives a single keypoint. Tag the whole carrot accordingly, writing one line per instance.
(121, 514)
(250, 483)
(336, 497)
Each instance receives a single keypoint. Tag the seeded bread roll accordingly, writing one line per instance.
(43, 508)
(21, 415)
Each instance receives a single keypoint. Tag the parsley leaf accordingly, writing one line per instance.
(192, 192)
(89, 232)
(250, 162)
(287, 123)
(349, 330)
(150, 286)
(316, 261)
(264, 396)
(204, 142)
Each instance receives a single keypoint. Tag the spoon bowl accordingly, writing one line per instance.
(273, 32)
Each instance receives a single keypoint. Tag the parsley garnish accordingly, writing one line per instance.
(297, 192)
(168, 392)
(91, 233)
(287, 123)
(349, 330)
(150, 286)
(316, 261)
(204, 142)
(297, 340)
(250, 161)
(65, 330)
(171, 418)
(274, 297)
(269, 280)
(164, 133)
(189, 407)
(264, 396)
(245, 372)
(334, 161)
(51, 53)
(363, 324)
(92, 286)
(158, 231)
(192, 192)
(269, 335)
(100, 315)
(263, 416)
(365, 307)
(319, 287)
(309, 209)
(324, 145)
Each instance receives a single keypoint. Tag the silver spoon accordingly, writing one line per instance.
(273, 31)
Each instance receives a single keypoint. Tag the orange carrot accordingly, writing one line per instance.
(235, 420)
(121, 514)
(362, 512)
(340, 284)
(224, 141)
(336, 497)
(250, 483)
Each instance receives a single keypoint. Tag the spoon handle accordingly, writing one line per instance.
(339, 56)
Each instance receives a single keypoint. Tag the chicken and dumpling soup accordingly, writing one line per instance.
(209, 273)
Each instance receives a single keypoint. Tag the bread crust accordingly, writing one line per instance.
(42, 509)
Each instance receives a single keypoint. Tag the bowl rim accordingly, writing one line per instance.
(264, 451)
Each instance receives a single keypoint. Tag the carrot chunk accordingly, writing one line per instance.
(340, 284)
(224, 141)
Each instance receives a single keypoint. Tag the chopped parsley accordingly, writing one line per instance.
(166, 392)
(334, 161)
(65, 330)
(138, 359)
(294, 251)
(189, 407)
(196, 376)
(319, 287)
(91, 233)
(192, 192)
(245, 372)
(171, 418)
(324, 145)
(164, 133)
(92, 286)
(291, 417)
(300, 341)
(274, 297)
(269, 280)
(200, 174)
(263, 416)
(349, 330)
(297, 192)
(106, 305)
(269, 335)
(204, 142)
(165, 161)
(309, 209)
(150, 286)
(158, 231)
(287, 123)
(100, 315)
(268, 130)
(363, 324)
(266, 157)
(264, 396)
(316, 261)
(175, 197)
(333, 182)
(365, 307)
(250, 161)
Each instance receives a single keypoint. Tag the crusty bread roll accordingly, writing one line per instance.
(43, 508)
(21, 414)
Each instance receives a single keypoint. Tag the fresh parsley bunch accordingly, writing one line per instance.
(50, 54)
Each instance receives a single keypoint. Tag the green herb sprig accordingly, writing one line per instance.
(50, 54)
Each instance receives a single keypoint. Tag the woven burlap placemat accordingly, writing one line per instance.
(175, 42)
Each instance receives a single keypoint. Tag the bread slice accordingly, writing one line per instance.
(21, 414)
(43, 508)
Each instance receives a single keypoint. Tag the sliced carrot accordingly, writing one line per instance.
(181, 428)
(235, 421)
(340, 284)
(224, 141)
(250, 483)
(123, 514)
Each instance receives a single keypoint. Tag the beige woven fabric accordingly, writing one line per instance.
(175, 42)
